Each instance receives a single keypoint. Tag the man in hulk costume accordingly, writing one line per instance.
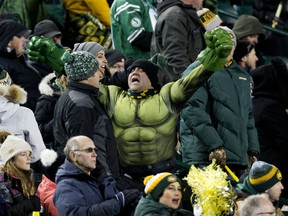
(145, 117)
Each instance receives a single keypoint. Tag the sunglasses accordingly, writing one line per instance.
(267, 213)
(87, 150)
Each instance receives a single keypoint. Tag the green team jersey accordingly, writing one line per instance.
(129, 19)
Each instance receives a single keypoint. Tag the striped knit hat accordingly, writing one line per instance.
(209, 20)
(5, 79)
(155, 185)
(263, 176)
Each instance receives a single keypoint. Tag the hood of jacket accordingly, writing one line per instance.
(48, 85)
(8, 29)
(248, 25)
(11, 96)
(165, 4)
(271, 80)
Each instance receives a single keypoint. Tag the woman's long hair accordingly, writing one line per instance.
(24, 176)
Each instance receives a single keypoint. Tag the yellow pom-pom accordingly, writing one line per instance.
(147, 178)
(211, 190)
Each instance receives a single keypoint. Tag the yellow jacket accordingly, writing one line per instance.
(99, 8)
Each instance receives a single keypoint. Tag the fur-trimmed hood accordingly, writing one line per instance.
(48, 85)
(11, 96)
(13, 93)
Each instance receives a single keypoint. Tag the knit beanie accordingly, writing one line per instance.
(150, 67)
(5, 79)
(114, 56)
(156, 184)
(247, 25)
(263, 176)
(10, 28)
(46, 28)
(231, 33)
(81, 66)
(243, 48)
(91, 47)
(13, 146)
(209, 20)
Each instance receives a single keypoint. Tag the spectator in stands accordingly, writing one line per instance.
(115, 61)
(258, 204)
(13, 60)
(47, 28)
(248, 28)
(19, 120)
(214, 125)
(132, 24)
(269, 103)
(18, 194)
(245, 56)
(178, 35)
(263, 178)
(163, 196)
(77, 192)
(95, 49)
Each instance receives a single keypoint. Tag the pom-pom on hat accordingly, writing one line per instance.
(80, 65)
(209, 20)
(243, 48)
(150, 67)
(13, 146)
(47, 28)
(91, 47)
(263, 176)
(156, 184)
(5, 79)
(114, 56)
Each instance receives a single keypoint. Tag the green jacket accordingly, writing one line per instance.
(132, 24)
(219, 114)
(145, 129)
(30, 11)
(149, 207)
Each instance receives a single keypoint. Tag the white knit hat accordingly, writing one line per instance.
(209, 20)
(13, 146)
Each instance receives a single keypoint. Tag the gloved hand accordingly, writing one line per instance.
(219, 46)
(45, 50)
(109, 187)
(131, 195)
(219, 155)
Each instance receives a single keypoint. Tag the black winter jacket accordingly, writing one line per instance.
(78, 112)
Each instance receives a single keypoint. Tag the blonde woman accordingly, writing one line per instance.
(17, 191)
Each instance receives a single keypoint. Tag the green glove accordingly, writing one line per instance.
(219, 45)
(45, 50)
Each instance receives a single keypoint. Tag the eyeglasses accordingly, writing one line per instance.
(267, 213)
(87, 150)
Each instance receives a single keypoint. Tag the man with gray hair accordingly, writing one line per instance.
(77, 192)
(257, 205)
